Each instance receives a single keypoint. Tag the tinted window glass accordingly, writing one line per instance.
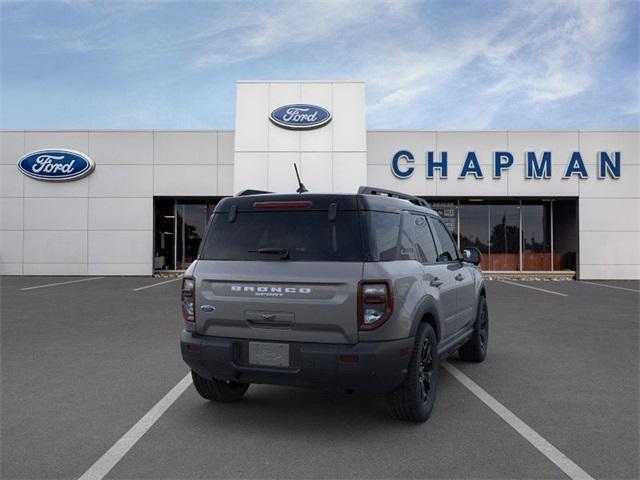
(425, 244)
(305, 235)
(536, 236)
(407, 239)
(448, 248)
(384, 232)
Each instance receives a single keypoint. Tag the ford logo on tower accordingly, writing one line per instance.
(56, 165)
(300, 116)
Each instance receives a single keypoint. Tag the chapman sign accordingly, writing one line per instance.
(56, 165)
(537, 165)
(300, 116)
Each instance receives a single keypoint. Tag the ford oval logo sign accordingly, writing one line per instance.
(300, 116)
(56, 165)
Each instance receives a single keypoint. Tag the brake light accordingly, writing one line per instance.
(375, 303)
(284, 204)
(188, 302)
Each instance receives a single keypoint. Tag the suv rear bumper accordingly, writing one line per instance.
(372, 367)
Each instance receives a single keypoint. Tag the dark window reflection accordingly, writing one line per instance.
(164, 234)
(179, 227)
(504, 253)
(474, 229)
(493, 226)
(191, 220)
(565, 234)
(536, 236)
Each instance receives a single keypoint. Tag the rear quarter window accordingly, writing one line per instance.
(384, 233)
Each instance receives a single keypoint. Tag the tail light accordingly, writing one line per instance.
(375, 303)
(187, 300)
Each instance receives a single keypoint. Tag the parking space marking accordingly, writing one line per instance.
(111, 457)
(563, 462)
(61, 283)
(156, 284)
(534, 288)
(611, 286)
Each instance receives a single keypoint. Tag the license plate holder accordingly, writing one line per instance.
(268, 354)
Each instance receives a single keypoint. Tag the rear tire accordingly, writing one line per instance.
(413, 400)
(475, 350)
(218, 390)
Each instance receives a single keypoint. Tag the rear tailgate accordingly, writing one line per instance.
(278, 300)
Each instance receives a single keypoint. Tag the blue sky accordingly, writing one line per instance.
(444, 65)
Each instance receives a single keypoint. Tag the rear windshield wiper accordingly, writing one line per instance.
(283, 252)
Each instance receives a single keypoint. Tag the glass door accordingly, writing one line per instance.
(180, 224)
(191, 220)
(165, 234)
(504, 229)
(536, 236)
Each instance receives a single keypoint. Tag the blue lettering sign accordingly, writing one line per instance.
(533, 169)
(576, 165)
(441, 165)
(395, 166)
(471, 165)
(606, 165)
(499, 165)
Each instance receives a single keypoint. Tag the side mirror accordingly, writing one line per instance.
(471, 255)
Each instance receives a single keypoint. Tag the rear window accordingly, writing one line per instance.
(304, 235)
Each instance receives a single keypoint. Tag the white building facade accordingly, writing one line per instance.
(529, 200)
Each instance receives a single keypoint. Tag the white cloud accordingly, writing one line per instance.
(546, 52)
(457, 65)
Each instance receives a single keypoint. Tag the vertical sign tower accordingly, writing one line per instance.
(331, 157)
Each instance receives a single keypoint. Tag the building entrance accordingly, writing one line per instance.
(515, 235)
(179, 227)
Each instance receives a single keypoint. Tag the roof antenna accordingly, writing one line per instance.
(301, 188)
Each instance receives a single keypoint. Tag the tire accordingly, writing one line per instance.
(475, 350)
(218, 390)
(413, 400)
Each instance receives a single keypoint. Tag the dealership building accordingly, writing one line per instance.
(132, 202)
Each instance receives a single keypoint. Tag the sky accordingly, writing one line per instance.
(427, 65)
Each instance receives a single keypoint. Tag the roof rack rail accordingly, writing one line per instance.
(365, 190)
(250, 191)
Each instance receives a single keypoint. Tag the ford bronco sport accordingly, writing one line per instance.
(362, 292)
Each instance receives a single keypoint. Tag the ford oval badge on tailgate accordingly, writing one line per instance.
(300, 116)
(56, 165)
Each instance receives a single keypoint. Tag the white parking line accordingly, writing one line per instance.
(563, 462)
(611, 286)
(111, 457)
(156, 284)
(534, 288)
(61, 283)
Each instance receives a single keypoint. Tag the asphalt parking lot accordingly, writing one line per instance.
(82, 362)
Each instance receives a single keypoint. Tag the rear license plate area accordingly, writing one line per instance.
(267, 354)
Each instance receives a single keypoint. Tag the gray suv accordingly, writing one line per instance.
(363, 292)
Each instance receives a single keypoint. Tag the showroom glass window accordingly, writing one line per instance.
(536, 235)
(565, 234)
(504, 236)
(474, 228)
(179, 227)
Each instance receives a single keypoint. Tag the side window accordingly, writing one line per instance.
(407, 249)
(425, 245)
(448, 251)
